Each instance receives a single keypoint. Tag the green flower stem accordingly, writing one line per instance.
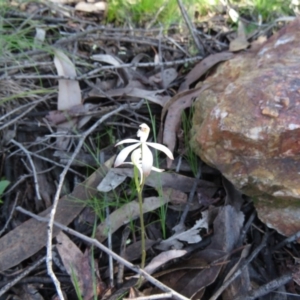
(143, 232)
(139, 188)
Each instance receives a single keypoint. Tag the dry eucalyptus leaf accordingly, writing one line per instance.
(91, 7)
(163, 258)
(111, 181)
(69, 93)
(240, 42)
(106, 58)
(190, 236)
(169, 180)
(77, 265)
(40, 35)
(202, 67)
(152, 96)
(126, 214)
(175, 107)
(164, 78)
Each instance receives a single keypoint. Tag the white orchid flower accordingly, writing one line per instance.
(141, 157)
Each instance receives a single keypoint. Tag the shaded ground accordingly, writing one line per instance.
(70, 89)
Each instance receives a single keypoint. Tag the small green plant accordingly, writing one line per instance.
(189, 154)
(164, 12)
(76, 285)
(162, 211)
(3, 185)
(142, 160)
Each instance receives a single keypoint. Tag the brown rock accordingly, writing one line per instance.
(247, 125)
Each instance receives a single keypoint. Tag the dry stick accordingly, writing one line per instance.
(36, 184)
(100, 69)
(21, 107)
(59, 188)
(11, 213)
(180, 226)
(268, 287)
(190, 27)
(26, 65)
(178, 46)
(76, 36)
(22, 178)
(22, 275)
(289, 239)
(152, 297)
(246, 228)
(9, 123)
(239, 271)
(118, 258)
(53, 162)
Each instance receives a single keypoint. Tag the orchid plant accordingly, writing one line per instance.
(142, 160)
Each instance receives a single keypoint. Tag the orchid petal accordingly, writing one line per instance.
(136, 160)
(127, 141)
(124, 153)
(157, 169)
(161, 148)
(147, 159)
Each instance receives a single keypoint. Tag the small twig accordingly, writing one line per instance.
(9, 123)
(109, 30)
(242, 267)
(190, 200)
(52, 162)
(36, 183)
(102, 68)
(58, 191)
(152, 297)
(268, 287)
(178, 46)
(27, 65)
(11, 213)
(289, 239)
(22, 107)
(22, 275)
(118, 258)
(246, 228)
(190, 27)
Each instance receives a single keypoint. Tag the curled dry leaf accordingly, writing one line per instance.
(190, 236)
(202, 67)
(175, 107)
(124, 73)
(69, 93)
(165, 77)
